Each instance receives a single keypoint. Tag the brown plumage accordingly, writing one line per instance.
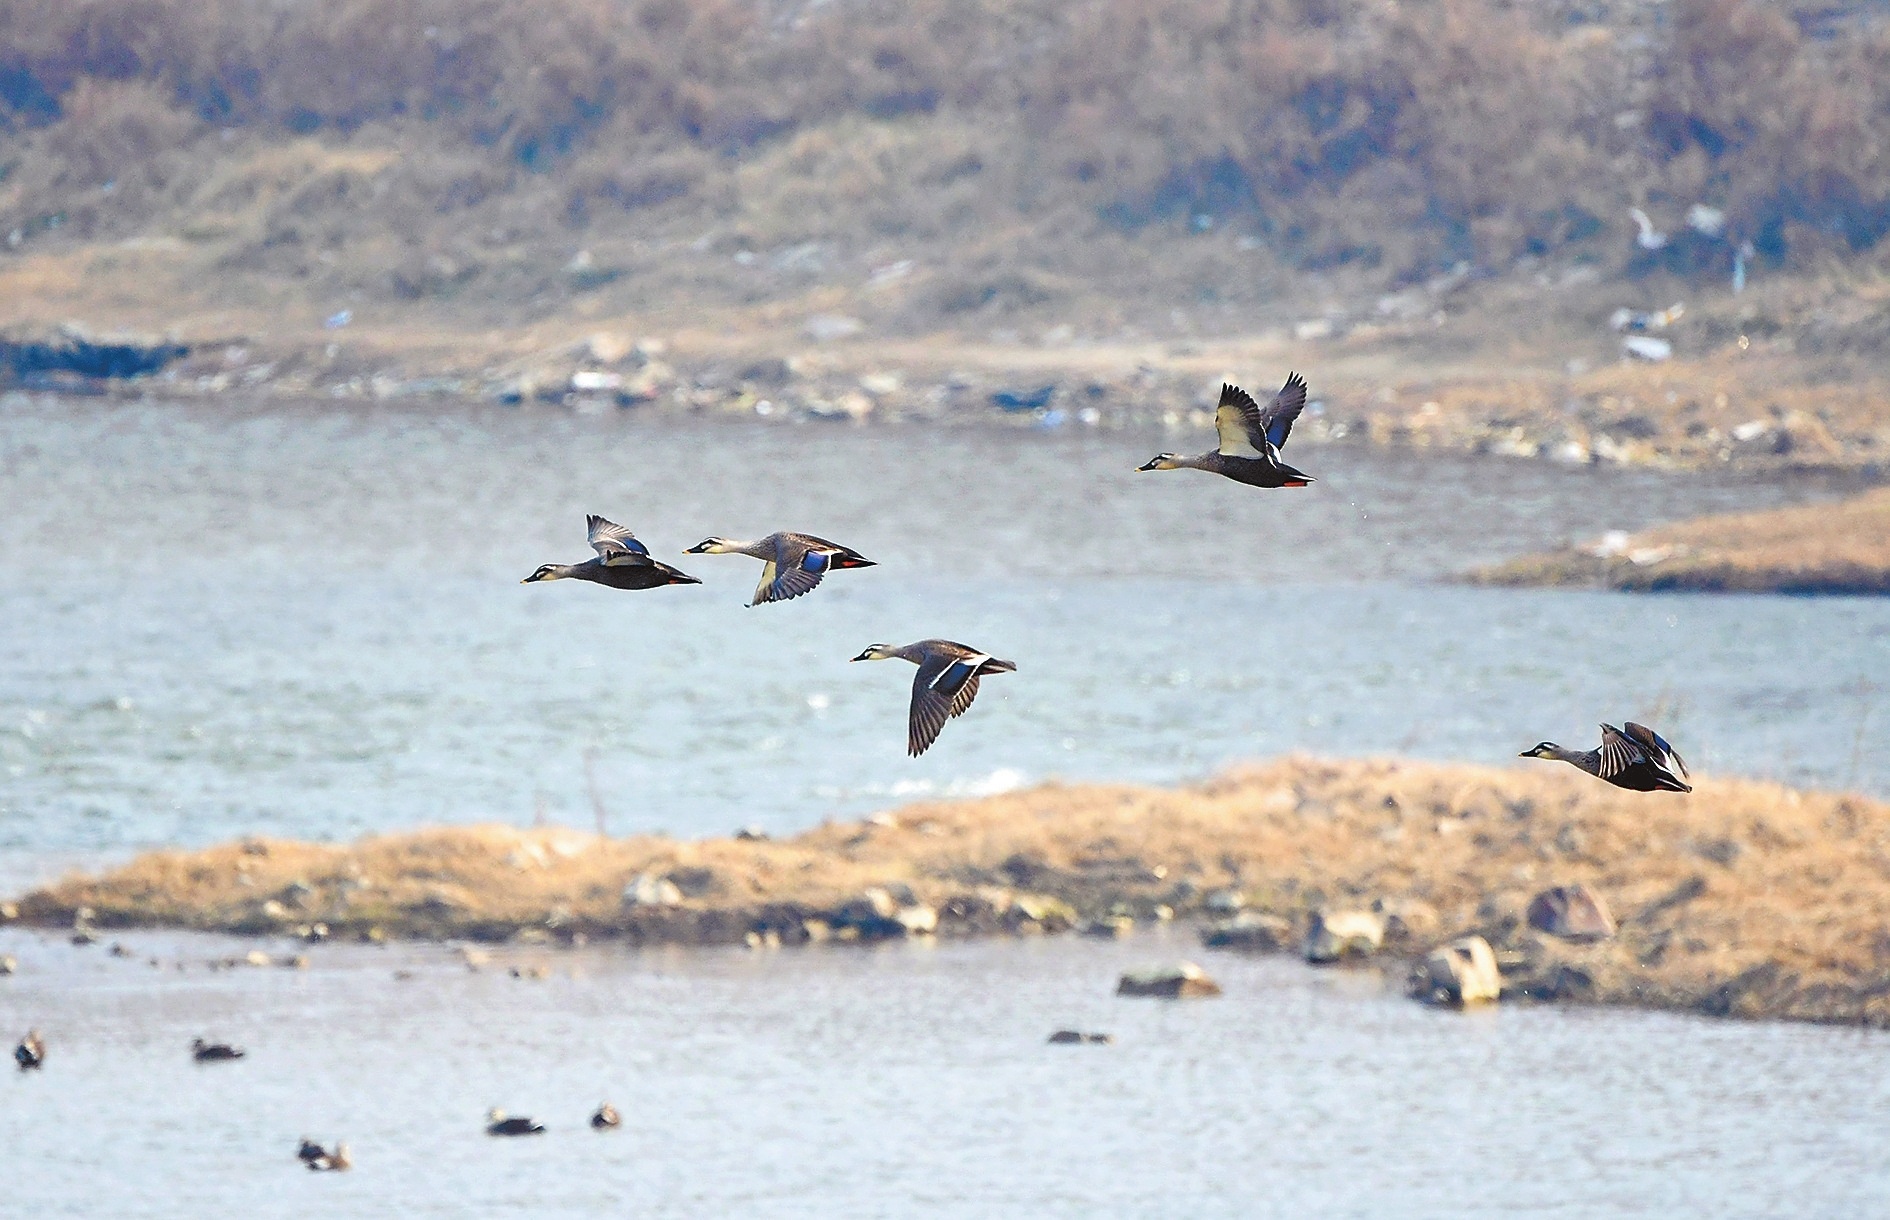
(1251, 437)
(944, 687)
(1632, 757)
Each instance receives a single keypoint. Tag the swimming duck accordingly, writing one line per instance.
(944, 687)
(1251, 437)
(1633, 757)
(792, 564)
(214, 1052)
(31, 1052)
(329, 1162)
(606, 1118)
(621, 563)
(498, 1124)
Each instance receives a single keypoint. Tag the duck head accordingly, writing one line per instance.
(547, 571)
(1162, 461)
(1546, 749)
(713, 546)
(877, 652)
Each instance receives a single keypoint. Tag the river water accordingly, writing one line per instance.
(911, 1080)
(223, 620)
(308, 622)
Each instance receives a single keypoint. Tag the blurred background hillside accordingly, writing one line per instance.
(1206, 166)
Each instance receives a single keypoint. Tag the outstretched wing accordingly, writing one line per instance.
(616, 545)
(1655, 746)
(1238, 421)
(1276, 422)
(794, 570)
(1618, 753)
(944, 687)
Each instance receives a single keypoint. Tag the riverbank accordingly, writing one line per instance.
(1743, 899)
(1820, 548)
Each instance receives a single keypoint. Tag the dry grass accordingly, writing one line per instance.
(1823, 548)
(1743, 898)
(1084, 140)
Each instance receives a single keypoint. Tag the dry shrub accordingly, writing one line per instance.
(1395, 139)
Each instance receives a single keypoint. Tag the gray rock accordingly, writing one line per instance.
(1572, 912)
(651, 890)
(1462, 972)
(1180, 981)
(1333, 936)
(1251, 931)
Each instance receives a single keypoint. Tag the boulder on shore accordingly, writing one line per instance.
(1572, 912)
(1462, 972)
(1176, 982)
(1251, 931)
(1333, 936)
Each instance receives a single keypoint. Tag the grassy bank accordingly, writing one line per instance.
(1742, 899)
(1821, 548)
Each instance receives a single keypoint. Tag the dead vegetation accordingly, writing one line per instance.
(1824, 548)
(1743, 898)
(1017, 152)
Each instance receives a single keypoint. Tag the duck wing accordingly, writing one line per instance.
(795, 569)
(1655, 746)
(1239, 423)
(944, 687)
(614, 544)
(1618, 753)
(1276, 421)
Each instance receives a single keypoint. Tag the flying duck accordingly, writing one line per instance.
(606, 1118)
(31, 1052)
(498, 1124)
(214, 1052)
(944, 687)
(1251, 437)
(1633, 757)
(309, 1151)
(792, 564)
(621, 563)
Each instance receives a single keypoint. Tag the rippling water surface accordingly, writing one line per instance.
(309, 622)
(908, 1081)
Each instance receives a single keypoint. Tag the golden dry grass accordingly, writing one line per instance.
(1743, 898)
(1820, 548)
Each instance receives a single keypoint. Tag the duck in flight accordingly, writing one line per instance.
(791, 564)
(1251, 437)
(944, 687)
(621, 562)
(1632, 757)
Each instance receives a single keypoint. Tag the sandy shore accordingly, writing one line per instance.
(1822, 548)
(1743, 899)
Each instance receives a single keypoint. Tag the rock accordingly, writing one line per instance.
(1033, 399)
(9, 965)
(1072, 1036)
(1251, 931)
(1109, 927)
(1335, 935)
(1462, 972)
(918, 919)
(1224, 902)
(826, 327)
(1643, 347)
(651, 890)
(1176, 982)
(9, 911)
(1052, 913)
(1572, 912)
(751, 834)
